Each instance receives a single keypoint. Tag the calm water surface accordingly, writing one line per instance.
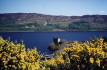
(41, 40)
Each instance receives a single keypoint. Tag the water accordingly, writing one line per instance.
(41, 40)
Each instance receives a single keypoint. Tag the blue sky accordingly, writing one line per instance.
(55, 7)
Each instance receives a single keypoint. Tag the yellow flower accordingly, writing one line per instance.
(91, 60)
(13, 66)
(59, 61)
(98, 62)
(23, 66)
(5, 66)
(75, 56)
(37, 66)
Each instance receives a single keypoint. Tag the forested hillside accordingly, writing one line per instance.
(39, 22)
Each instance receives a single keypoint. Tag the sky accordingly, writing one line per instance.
(55, 7)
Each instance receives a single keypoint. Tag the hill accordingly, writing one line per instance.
(40, 22)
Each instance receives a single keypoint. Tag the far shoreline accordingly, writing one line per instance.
(51, 31)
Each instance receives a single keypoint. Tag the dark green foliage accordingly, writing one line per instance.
(83, 26)
(10, 24)
(45, 28)
(6, 21)
(57, 26)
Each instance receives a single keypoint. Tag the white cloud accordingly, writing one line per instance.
(102, 12)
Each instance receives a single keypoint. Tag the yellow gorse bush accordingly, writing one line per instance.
(91, 60)
(75, 56)
(17, 57)
(82, 55)
(87, 55)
